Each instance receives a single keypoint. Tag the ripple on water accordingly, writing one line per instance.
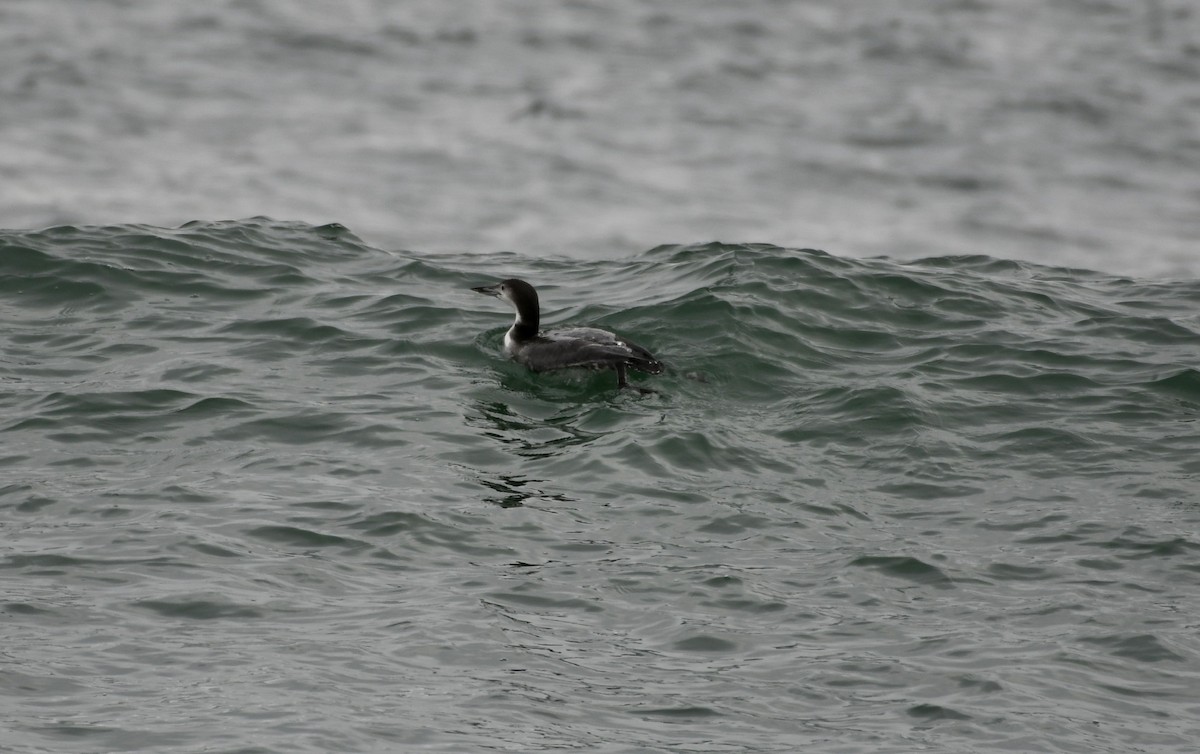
(907, 503)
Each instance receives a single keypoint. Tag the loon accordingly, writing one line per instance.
(586, 347)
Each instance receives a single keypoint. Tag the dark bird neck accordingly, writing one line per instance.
(523, 329)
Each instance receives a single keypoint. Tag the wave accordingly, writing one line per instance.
(810, 348)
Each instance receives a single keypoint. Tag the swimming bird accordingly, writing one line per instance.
(564, 347)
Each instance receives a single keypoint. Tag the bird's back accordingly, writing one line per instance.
(587, 347)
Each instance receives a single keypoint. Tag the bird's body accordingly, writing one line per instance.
(565, 347)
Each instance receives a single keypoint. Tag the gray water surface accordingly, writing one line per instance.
(1064, 133)
(266, 488)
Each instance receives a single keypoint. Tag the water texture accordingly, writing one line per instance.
(1065, 133)
(266, 488)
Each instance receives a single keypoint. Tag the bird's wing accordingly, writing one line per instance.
(601, 346)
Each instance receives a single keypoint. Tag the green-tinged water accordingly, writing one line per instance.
(264, 488)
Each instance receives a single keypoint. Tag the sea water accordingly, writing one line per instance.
(265, 487)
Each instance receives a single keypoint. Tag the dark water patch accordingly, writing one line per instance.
(47, 292)
(69, 341)
(835, 510)
(680, 714)
(199, 372)
(1033, 523)
(936, 712)
(24, 608)
(35, 503)
(1184, 384)
(200, 609)
(84, 404)
(705, 644)
(394, 523)
(980, 264)
(215, 551)
(723, 581)
(734, 604)
(293, 536)
(73, 462)
(44, 564)
(272, 241)
(119, 350)
(1041, 440)
(735, 525)
(108, 272)
(14, 488)
(328, 507)
(925, 491)
(544, 603)
(68, 731)
(1156, 492)
(1131, 549)
(1141, 647)
(982, 685)
(215, 406)
(907, 568)
(1013, 572)
(582, 547)
(37, 279)
(1049, 539)
(114, 416)
(179, 493)
(1146, 330)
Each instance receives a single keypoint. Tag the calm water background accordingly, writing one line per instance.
(268, 486)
